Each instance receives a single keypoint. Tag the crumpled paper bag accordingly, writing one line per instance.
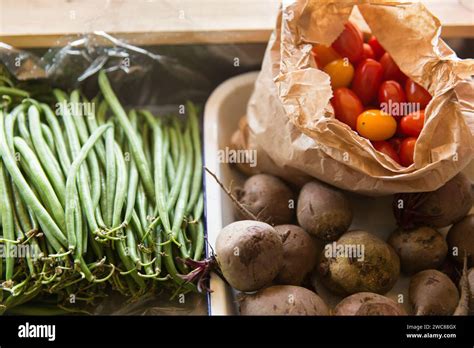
(291, 121)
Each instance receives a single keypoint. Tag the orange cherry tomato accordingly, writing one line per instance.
(341, 72)
(407, 150)
(367, 80)
(368, 52)
(349, 43)
(392, 98)
(376, 47)
(323, 55)
(386, 148)
(391, 71)
(417, 94)
(376, 125)
(347, 106)
(412, 124)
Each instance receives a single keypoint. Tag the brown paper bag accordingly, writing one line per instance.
(291, 122)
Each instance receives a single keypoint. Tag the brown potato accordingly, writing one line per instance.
(461, 239)
(432, 293)
(300, 253)
(268, 198)
(368, 303)
(323, 211)
(419, 249)
(283, 300)
(249, 254)
(375, 270)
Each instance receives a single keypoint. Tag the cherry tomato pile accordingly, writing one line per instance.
(372, 95)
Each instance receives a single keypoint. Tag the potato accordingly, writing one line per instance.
(368, 303)
(249, 254)
(439, 208)
(323, 211)
(419, 249)
(461, 239)
(268, 198)
(431, 292)
(300, 253)
(283, 300)
(359, 262)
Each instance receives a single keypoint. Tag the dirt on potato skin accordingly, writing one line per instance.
(283, 300)
(419, 249)
(323, 211)
(461, 237)
(368, 303)
(377, 272)
(249, 254)
(300, 254)
(431, 292)
(268, 198)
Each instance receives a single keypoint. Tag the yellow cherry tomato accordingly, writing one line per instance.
(376, 125)
(341, 72)
(323, 55)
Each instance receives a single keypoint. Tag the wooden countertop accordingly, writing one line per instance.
(41, 23)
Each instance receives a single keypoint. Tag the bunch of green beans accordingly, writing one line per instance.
(105, 201)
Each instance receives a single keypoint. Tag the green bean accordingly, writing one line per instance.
(46, 158)
(92, 124)
(180, 208)
(32, 166)
(142, 205)
(21, 210)
(53, 233)
(132, 246)
(23, 129)
(132, 180)
(199, 246)
(174, 144)
(84, 189)
(48, 137)
(146, 144)
(137, 152)
(159, 172)
(199, 207)
(170, 170)
(92, 158)
(137, 226)
(197, 171)
(176, 188)
(110, 176)
(78, 228)
(16, 92)
(71, 193)
(61, 147)
(121, 187)
(7, 222)
(10, 120)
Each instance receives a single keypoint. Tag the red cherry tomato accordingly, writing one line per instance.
(347, 106)
(367, 80)
(407, 150)
(396, 144)
(386, 148)
(376, 47)
(417, 94)
(412, 124)
(392, 98)
(323, 55)
(391, 71)
(367, 52)
(349, 43)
